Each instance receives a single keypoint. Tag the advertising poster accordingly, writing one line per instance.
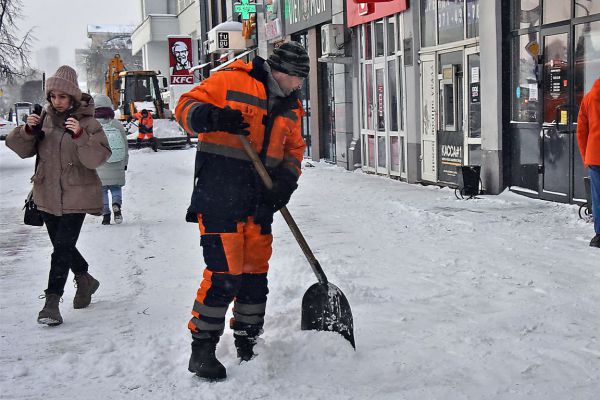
(450, 156)
(180, 60)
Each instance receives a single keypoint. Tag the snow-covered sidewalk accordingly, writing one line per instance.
(496, 298)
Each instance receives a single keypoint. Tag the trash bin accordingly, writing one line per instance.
(468, 180)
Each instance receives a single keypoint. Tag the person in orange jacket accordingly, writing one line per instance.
(588, 137)
(229, 203)
(145, 129)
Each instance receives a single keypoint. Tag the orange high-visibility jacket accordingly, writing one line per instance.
(588, 126)
(226, 184)
(145, 124)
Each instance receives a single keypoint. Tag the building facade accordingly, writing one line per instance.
(415, 90)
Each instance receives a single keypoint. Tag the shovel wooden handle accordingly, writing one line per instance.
(268, 182)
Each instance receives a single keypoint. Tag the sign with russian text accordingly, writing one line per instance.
(302, 14)
(180, 60)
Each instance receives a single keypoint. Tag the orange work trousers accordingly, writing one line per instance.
(237, 261)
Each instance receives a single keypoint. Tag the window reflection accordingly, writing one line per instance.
(428, 22)
(587, 57)
(556, 10)
(527, 13)
(450, 20)
(524, 95)
(583, 8)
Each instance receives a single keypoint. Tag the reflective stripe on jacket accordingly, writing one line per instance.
(226, 184)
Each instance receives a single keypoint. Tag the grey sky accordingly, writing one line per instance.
(63, 23)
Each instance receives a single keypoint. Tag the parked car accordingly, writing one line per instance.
(5, 127)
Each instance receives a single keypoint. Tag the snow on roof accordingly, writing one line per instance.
(228, 26)
(108, 28)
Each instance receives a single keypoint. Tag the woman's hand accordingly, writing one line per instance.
(33, 120)
(73, 125)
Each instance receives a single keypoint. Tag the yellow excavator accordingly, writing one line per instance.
(133, 91)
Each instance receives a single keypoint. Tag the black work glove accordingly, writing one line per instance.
(284, 184)
(264, 215)
(229, 120)
(126, 168)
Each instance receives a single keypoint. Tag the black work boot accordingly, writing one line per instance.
(50, 314)
(595, 242)
(203, 361)
(154, 144)
(106, 219)
(244, 345)
(86, 287)
(138, 143)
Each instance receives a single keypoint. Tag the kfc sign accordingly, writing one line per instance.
(180, 60)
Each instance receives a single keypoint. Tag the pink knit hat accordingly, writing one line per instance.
(64, 80)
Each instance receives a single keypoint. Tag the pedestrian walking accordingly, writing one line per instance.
(69, 145)
(145, 129)
(588, 137)
(233, 210)
(112, 172)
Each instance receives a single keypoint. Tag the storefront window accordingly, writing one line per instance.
(428, 22)
(393, 96)
(587, 57)
(391, 37)
(379, 38)
(527, 13)
(395, 153)
(525, 96)
(450, 20)
(474, 96)
(472, 18)
(371, 145)
(556, 10)
(583, 8)
(381, 162)
(367, 42)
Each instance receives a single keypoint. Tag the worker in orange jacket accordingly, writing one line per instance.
(145, 129)
(233, 210)
(588, 137)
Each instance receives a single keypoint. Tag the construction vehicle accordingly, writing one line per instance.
(133, 91)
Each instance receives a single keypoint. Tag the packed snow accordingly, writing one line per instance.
(490, 298)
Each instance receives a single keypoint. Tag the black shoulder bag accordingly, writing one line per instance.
(33, 216)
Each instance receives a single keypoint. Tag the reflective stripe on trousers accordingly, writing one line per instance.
(237, 262)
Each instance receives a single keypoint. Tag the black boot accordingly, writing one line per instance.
(138, 143)
(106, 219)
(244, 345)
(116, 207)
(203, 361)
(595, 242)
(154, 144)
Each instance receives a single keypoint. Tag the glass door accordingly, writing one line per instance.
(557, 135)
(380, 118)
(473, 108)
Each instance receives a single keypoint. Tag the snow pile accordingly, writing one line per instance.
(496, 298)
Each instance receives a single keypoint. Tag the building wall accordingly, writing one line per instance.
(344, 118)
(490, 44)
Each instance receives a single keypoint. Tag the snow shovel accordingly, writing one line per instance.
(324, 306)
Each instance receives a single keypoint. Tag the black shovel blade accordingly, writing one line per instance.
(325, 308)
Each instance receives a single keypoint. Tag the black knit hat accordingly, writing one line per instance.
(290, 58)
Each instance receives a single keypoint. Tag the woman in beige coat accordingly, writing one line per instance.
(69, 145)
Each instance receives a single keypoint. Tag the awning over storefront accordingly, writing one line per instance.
(361, 12)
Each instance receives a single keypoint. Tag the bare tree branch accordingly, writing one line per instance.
(14, 52)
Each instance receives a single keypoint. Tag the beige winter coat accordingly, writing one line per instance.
(65, 181)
